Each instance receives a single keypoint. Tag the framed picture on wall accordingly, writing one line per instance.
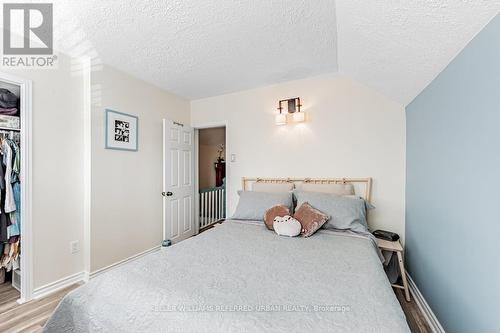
(121, 130)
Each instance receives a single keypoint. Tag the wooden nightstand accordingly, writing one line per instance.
(396, 247)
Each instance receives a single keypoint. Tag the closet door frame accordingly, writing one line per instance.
(26, 183)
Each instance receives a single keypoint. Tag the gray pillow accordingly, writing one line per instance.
(346, 212)
(253, 205)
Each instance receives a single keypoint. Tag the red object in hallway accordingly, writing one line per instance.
(220, 172)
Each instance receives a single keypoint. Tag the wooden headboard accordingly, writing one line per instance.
(362, 186)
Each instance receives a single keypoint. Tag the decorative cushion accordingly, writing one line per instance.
(345, 212)
(310, 218)
(286, 226)
(339, 189)
(271, 213)
(272, 187)
(253, 205)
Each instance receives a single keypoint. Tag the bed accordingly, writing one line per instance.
(240, 277)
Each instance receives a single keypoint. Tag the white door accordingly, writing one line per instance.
(178, 181)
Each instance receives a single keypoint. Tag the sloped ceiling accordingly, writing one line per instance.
(399, 47)
(199, 49)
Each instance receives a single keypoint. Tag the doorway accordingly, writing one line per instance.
(211, 175)
(194, 179)
(15, 223)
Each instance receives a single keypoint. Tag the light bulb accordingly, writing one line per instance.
(298, 117)
(280, 119)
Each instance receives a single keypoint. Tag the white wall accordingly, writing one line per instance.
(126, 208)
(351, 131)
(57, 169)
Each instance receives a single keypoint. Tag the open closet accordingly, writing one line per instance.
(10, 183)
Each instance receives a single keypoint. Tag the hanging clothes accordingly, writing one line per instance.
(16, 216)
(10, 204)
(3, 217)
(10, 188)
(10, 196)
(13, 228)
(5, 221)
(2, 178)
(3, 229)
(16, 162)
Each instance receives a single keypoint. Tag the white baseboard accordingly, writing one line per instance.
(121, 262)
(84, 276)
(424, 307)
(58, 285)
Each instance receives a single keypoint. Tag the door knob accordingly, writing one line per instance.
(167, 194)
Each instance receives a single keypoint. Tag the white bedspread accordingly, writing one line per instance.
(240, 277)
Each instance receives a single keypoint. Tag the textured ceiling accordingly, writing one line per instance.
(399, 47)
(204, 48)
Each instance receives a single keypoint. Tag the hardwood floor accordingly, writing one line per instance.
(414, 316)
(28, 317)
(31, 316)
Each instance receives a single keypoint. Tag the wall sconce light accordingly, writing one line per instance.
(299, 117)
(280, 119)
(292, 107)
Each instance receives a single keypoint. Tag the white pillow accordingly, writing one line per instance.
(287, 226)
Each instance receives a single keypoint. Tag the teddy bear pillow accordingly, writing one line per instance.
(287, 226)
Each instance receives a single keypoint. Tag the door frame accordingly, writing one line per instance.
(26, 183)
(197, 127)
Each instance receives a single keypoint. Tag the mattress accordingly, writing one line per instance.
(240, 277)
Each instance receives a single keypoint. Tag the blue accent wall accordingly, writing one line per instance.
(453, 188)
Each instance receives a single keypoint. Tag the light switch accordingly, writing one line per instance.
(74, 247)
(233, 157)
